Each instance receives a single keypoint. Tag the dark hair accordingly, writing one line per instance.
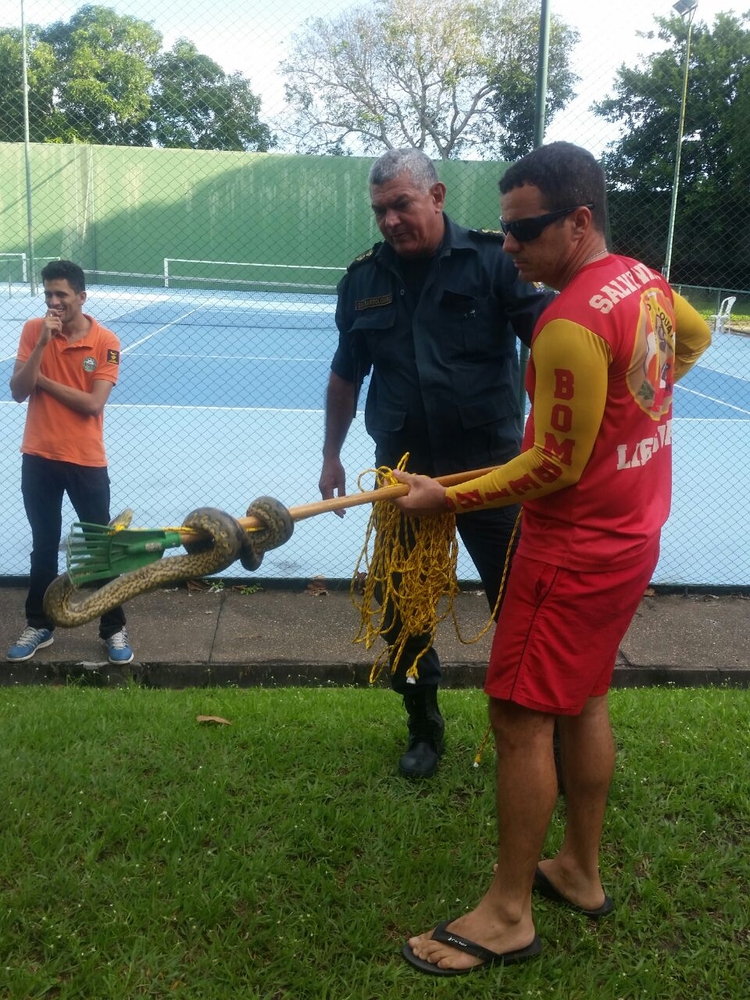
(65, 270)
(567, 175)
(410, 161)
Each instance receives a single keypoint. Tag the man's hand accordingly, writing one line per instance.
(51, 325)
(333, 481)
(425, 496)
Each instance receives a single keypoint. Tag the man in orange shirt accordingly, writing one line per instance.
(66, 366)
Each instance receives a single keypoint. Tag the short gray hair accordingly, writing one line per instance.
(410, 161)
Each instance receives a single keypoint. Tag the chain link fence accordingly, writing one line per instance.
(207, 167)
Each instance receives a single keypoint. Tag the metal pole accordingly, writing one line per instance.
(539, 116)
(678, 156)
(27, 160)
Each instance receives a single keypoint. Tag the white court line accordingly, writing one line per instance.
(712, 399)
(719, 370)
(187, 406)
(166, 326)
(237, 357)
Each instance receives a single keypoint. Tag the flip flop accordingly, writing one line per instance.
(544, 887)
(442, 934)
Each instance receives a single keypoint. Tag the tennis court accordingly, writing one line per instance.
(221, 401)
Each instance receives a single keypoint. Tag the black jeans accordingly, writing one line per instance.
(486, 534)
(43, 483)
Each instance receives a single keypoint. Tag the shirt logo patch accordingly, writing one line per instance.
(373, 303)
(651, 374)
(89, 364)
(113, 357)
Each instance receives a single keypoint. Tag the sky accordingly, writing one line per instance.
(252, 36)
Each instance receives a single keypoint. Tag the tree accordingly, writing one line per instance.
(710, 243)
(105, 61)
(40, 73)
(102, 77)
(195, 104)
(446, 76)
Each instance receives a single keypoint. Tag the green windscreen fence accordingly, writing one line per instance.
(207, 166)
(190, 218)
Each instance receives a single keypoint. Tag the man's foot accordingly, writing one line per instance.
(591, 901)
(118, 647)
(467, 943)
(464, 945)
(29, 641)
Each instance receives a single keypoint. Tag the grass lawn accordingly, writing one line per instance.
(147, 855)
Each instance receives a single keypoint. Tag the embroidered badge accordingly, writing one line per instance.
(373, 303)
(113, 357)
(89, 364)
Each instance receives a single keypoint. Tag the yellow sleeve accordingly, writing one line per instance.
(692, 336)
(571, 365)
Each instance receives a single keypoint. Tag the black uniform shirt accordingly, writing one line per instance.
(444, 383)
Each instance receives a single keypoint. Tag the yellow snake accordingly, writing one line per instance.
(69, 607)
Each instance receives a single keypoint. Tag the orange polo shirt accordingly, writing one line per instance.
(53, 430)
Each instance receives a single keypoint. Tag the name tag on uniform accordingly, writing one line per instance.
(373, 303)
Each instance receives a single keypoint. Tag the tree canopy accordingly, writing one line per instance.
(448, 76)
(713, 215)
(102, 77)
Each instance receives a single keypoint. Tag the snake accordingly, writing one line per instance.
(277, 529)
(227, 541)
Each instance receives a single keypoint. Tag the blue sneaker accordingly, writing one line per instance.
(118, 647)
(31, 639)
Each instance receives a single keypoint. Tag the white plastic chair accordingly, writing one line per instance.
(721, 319)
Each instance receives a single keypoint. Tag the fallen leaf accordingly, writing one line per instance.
(213, 718)
(197, 585)
(318, 587)
(649, 592)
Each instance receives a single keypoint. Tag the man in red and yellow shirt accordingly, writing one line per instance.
(594, 480)
(66, 367)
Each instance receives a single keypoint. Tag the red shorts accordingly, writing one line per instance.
(559, 632)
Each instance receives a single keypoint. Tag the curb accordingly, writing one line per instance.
(288, 673)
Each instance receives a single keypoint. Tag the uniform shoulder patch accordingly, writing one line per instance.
(363, 257)
(495, 235)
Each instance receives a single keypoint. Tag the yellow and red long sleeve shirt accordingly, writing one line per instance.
(595, 471)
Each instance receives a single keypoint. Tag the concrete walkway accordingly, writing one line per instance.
(303, 635)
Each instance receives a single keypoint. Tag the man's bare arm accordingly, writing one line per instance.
(90, 403)
(340, 401)
(25, 375)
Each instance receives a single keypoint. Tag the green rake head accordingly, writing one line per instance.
(99, 552)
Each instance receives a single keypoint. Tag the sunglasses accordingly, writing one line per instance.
(525, 230)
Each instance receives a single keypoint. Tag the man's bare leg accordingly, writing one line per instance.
(588, 760)
(526, 796)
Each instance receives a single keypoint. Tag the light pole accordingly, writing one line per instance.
(27, 157)
(539, 117)
(686, 9)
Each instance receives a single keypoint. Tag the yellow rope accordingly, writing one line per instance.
(412, 570)
(412, 567)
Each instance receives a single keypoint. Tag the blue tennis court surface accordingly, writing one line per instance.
(220, 401)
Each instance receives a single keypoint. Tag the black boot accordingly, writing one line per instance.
(426, 729)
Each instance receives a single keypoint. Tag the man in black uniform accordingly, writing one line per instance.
(433, 313)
